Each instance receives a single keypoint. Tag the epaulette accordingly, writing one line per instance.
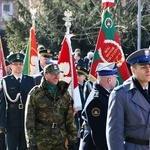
(96, 94)
(118, 88)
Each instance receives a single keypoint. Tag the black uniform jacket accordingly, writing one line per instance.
(12, 114)
(95, 113)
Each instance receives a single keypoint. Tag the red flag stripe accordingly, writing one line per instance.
(107, 3)
(2, 61)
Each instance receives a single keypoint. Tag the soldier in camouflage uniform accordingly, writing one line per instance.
(49, 117)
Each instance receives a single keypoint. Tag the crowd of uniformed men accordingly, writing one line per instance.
(36, 112)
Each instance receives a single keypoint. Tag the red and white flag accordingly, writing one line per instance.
(108, 3)
(2, 61)
(66, 64)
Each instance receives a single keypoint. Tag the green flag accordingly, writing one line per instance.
(108, 48)
(31, 63)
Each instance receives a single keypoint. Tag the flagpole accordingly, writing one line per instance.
(139, 25)
(33, 12)
(68, 20)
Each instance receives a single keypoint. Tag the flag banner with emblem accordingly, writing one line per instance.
(67, 65)
(2, 61)
(108, 3)
(108, 49)
(31, 63)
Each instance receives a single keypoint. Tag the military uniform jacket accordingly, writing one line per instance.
(94, 114)
(10, 114)
(128, 115)
(49, 117)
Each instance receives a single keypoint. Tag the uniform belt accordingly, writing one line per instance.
(137, 141)
(86, 127)
(19, 106)
(52, 125)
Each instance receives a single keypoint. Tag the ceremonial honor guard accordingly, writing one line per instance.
(45, 58)
(95, 110)
(13, 95)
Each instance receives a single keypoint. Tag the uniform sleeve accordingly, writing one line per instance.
(96, 115)
(2, 110)
(30, 121)
(115, 122)
(70, 121)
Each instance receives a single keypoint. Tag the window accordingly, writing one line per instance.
(6, 10)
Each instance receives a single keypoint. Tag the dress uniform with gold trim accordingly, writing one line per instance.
(45, 53)
(12, 105)
(48, 54)
(95, 112)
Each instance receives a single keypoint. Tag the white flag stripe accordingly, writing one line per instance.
(77, 99)
(76, 93)
(107, 1)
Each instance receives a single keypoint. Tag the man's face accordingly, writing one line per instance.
(16, 67)
(52, 79)
(81, 78)
(44, 60)
(141, 72)
(113, 81)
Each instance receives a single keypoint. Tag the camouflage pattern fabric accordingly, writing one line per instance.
(49, 117)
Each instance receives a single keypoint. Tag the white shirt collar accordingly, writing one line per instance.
(18, 77)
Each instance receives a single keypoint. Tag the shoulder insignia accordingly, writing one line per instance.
(118, 87)
(96, 94)
(96, 112)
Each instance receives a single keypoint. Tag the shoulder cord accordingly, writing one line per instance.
(6, 93)
(89, 86)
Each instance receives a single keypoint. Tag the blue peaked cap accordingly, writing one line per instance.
(141, 56)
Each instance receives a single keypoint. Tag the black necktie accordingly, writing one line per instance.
(146, 91)
(19, 84)
(19, 80)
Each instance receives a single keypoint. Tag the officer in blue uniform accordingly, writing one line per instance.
(13, 95)
(128, 119)
(95, 109)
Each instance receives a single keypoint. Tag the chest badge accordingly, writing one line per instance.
(96, 112)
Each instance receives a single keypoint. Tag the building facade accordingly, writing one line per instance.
(7, 8)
